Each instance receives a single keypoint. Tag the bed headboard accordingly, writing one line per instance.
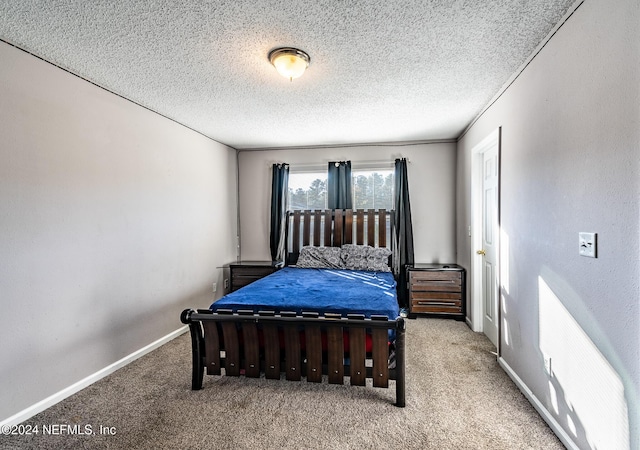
(332, 228)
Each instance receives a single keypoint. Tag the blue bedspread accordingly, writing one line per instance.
(320, 290)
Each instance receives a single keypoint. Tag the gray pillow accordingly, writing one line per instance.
(320, 258)
(354, 257)
(365, 257)
(378, 259)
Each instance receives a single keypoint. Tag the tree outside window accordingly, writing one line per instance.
(372, 189)
(307, 190)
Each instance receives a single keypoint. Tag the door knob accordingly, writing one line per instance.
(480, 252)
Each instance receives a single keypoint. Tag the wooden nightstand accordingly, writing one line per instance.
(244, 272)
(437, 289)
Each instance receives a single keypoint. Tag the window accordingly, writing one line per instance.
(307, 190)
(372, 188)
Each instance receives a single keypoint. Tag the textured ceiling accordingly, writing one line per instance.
(381, 71)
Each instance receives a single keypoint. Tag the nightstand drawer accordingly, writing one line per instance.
(436, 302)
(426, 280)
(435, 285)
(251, 272)
(436, 308)
(244, 273)
(435, 295)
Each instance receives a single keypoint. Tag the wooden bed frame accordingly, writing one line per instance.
(246, 343)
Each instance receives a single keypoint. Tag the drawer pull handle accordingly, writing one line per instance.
(452, 305)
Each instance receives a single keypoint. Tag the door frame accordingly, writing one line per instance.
(477, 152)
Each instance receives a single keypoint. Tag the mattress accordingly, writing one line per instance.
(336, 291)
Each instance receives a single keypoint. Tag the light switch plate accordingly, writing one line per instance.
(588, 244)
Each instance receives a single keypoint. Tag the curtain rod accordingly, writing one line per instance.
(323, 164)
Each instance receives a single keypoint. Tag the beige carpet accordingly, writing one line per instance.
(457, 398)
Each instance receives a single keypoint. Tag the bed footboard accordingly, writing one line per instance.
(307, 345)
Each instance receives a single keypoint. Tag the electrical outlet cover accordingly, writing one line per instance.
(588, 244)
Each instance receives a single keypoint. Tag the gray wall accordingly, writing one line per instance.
(570, 163)
(431, 172)
(113, 219)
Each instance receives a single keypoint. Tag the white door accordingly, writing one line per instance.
(489, 250)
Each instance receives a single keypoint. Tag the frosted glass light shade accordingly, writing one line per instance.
(289, 62)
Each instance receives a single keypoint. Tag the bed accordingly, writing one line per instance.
(317, 322)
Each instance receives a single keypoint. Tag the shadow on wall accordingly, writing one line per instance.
(586, 394)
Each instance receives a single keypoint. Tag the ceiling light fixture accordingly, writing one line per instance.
(289, 62)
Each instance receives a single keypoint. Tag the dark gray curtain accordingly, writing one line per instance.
(279, 194)
(339, 185)
(403, 230)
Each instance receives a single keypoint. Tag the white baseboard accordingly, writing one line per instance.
(69, 391)
(544, 412)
